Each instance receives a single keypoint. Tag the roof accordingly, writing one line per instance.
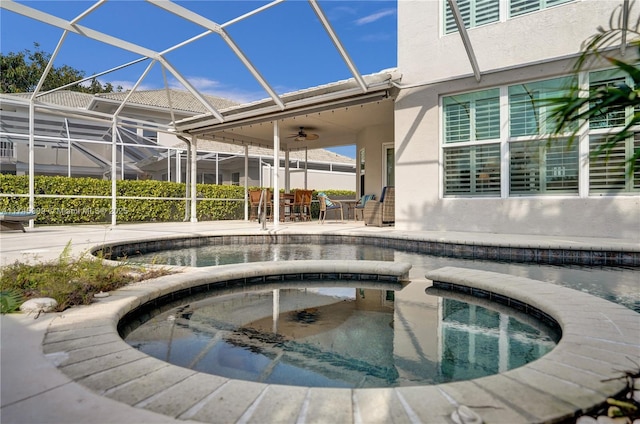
(313, 155)
(180, 100)
(68, 98)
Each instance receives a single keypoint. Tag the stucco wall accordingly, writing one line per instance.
(424, 54)
(544, 44)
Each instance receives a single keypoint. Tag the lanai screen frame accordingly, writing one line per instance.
(210, 27)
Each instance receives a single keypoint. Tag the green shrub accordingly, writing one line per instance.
(70, 281)
(63, 210)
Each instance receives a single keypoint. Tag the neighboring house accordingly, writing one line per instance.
(69, 144)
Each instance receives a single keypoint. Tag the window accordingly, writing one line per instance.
(235, 178)
(477, 140)
(521, 7)
(476, 13)
(473, 12)
(543, 167)
(529, 106)
(472, 168)
(389, 165)
(609, 169)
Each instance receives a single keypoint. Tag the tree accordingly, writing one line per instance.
(574, 110)
(20, 73)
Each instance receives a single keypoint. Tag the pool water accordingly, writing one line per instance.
(619, 285)
(370, 335)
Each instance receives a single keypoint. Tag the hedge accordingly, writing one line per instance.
(73, 210)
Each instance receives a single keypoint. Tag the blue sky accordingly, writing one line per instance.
(286, 43)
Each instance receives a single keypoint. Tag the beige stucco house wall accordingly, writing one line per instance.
(535, 46)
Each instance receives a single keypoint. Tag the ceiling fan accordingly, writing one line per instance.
(303, 136)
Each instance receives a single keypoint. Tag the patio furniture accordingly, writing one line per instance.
(327, 204)
(302, 205)
(15, 220)
(359, 207)
(254, 201)
(381, 212)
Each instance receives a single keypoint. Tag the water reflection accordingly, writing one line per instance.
(368, 336)
(618, 285)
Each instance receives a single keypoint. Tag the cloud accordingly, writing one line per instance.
(375, 16)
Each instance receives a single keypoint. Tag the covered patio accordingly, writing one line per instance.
(342, 113)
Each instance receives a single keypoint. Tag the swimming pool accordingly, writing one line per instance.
(618, 284)
(342, 334)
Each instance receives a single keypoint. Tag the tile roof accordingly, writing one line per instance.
(68, 98)
(313, 155)
(180, 100)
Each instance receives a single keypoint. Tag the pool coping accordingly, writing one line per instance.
(489, 249)
(580, 373)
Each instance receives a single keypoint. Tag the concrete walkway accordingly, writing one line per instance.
(599, 337)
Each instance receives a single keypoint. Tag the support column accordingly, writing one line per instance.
(287, 174)
(276, 168)
(194, 178)
(32, 197)
(114, 170)
(246, 183)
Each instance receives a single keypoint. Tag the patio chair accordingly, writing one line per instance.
(359, 207)
(254, 201)
(381, 212)
(302, 205)
(327, 204)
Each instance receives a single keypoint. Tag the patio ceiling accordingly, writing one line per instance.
(336, 113)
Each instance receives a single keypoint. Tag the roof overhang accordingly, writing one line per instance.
(337, 112)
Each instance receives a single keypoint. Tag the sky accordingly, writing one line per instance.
(286, 43)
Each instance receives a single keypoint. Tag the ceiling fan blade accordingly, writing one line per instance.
(312, 136)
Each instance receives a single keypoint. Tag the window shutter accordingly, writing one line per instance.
(520, 7)
(457, 122)
(487, 11)
(523, 116)
(457, 168)
(524, 167)
(487, 118)
(606, 171)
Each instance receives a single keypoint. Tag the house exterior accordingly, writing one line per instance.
(471, 154)
(459, 127)
(70, 144)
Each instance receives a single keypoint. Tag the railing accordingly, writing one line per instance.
(262, 212)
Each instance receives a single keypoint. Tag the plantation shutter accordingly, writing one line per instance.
(520, 7)
(473, 12)
(487, 11)
(457, 121)
(607, 170)
(472, 170)
(523, 117)
(457, 165)
(487, 114)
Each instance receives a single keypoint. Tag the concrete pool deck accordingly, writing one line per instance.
(89, 374)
